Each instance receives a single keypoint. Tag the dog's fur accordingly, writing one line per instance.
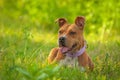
(73, 34)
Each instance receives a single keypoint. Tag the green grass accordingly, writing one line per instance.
(23, 53)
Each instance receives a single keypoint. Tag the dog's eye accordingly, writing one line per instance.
(60, 32)
(72, 33)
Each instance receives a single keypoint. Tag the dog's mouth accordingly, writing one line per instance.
(65, 49)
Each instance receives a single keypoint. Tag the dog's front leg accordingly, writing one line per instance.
(52, 55)
(85, 61)
(59, 57)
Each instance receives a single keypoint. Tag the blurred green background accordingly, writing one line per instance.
(28, 32)
(102, 17)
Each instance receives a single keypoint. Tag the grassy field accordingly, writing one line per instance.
(23, 53)
(28, 34)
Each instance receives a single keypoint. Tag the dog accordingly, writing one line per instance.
(72, 44)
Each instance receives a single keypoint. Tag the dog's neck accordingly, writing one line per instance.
(78, 53)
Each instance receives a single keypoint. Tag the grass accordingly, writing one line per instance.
(23, 53)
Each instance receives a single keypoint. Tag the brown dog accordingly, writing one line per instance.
(71, 44)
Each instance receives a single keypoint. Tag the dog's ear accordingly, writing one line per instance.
(80, 21)
(61, 21)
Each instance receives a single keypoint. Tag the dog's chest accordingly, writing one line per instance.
(69, 61)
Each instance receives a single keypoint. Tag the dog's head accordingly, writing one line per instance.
(70, 37)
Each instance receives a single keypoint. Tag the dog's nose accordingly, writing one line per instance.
(62, 39)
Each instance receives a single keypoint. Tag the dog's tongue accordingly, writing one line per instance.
(64, 49)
